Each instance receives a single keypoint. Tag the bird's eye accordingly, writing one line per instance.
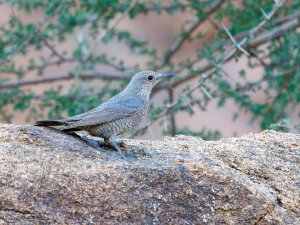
(150, 77)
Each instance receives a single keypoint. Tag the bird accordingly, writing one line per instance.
(116, 115)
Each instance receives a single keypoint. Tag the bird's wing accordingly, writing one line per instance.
(107, 112)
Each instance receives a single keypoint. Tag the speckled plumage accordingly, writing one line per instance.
(118, 114)
(117, 127)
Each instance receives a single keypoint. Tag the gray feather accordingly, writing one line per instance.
(115, 116)
(107, 112)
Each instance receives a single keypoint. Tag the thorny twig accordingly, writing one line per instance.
(54, 51)
(285, 24)
(100, 36)
(179, 41)
(235, 42)
(250, 44)
(210, 72)
(40, 25)
(84, 75)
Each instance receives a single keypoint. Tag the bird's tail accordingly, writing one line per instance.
(50, 123)
(54, 123)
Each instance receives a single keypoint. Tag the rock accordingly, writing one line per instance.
(47, 177)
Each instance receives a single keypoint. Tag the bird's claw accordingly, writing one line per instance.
(119, 146)
(123, 147)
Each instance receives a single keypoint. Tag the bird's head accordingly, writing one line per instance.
(143, 82)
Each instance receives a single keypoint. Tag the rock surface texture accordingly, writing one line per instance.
(47, 177)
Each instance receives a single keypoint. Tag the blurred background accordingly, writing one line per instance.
(236, 62)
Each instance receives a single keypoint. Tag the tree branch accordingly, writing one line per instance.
(54, 51)
(179, 41)
(172, 115)
(84, 75)
(261, 39)
(40, 25)
(209, 69)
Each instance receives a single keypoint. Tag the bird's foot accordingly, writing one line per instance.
(119, 146)
(123, 146)
(89, 141)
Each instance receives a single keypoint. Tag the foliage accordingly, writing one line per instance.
(206, 135)
(285, 126)
(272, 44)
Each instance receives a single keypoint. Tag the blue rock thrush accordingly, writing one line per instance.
(115, 116)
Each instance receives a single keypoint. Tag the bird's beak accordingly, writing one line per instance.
(164, 75)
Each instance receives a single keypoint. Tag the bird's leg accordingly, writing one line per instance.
(87, 140)
(120, 143)
(113, 143)
(120, 146)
